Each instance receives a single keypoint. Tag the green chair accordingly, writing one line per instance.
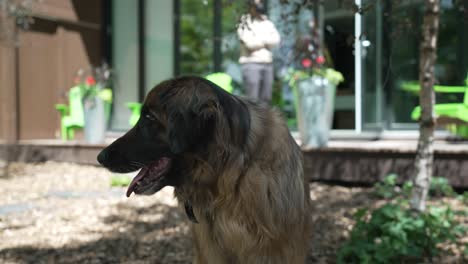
(135, 109)
(221, 79)
(453, 115)
(106, 95)
(72, 115)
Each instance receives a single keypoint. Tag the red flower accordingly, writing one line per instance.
(320, 59)
(90, 81)
(307, 63)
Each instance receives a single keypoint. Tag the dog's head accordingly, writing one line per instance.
(178, 117)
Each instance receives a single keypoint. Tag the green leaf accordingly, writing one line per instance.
(437, 211)
(390, 179)
(360, 213)
(393, 234)
(418, 223)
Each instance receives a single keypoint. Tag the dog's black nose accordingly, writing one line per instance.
(102, 157)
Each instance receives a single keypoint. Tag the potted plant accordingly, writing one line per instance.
(97, 102)
(314, 87)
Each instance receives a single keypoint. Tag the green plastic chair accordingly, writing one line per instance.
(72, 115)
(135, 109)
(221, 79)
(106, 95)
(455, 115)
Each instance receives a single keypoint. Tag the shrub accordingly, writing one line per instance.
(464, 197)
(388, 187)
(392, 233)
(441, 187)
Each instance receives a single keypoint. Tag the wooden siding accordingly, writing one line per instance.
(66, 35)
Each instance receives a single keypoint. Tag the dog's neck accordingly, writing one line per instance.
(189, 212)
(229, 157)
(198, 199)
(201, 200)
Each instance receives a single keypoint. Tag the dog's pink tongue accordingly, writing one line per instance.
(135, 180)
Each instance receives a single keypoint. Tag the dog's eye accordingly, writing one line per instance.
(150, 117)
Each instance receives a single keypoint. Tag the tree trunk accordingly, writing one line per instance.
(425, 155)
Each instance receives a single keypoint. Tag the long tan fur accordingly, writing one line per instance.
(252, 203)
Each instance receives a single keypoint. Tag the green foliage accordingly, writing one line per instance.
(388, 188)
(333, 76)
(277, 98)
(392, 233)
(407, 188)
(464, 197)
(196, 37)
(441, 187)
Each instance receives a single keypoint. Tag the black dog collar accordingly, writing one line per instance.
(189, 212)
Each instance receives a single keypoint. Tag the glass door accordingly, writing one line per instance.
(339, 35)
(368, 59)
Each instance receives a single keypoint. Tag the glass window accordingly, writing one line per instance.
(403, 31)
(371, 65)
(159, 42)
(230, 47)
(125, 60)
(339, 50)
(196, 37)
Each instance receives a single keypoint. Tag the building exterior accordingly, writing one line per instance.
(147, 41)
(39, 60)
(45, 43)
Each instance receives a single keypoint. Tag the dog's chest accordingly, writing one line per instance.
(224, 230)
(214, 243)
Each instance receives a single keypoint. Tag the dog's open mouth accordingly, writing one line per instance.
(150, 177)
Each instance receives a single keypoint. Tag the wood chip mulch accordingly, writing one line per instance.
(67, 213)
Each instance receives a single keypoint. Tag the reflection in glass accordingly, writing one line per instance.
(402, 50)
(125, 60)
(196, 37)
(159, 43)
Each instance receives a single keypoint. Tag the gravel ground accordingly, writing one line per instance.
(67, 213)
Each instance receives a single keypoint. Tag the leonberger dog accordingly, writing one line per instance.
(233, 164)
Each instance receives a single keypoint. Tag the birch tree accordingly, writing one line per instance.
(425, 150)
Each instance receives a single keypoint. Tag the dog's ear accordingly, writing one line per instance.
(190, 128)
(178, 132)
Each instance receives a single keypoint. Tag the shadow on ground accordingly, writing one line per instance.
(159, 233)
(154, 234)
(143, 231)
(332, 210)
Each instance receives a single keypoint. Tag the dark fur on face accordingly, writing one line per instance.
(178, 121)
(233, 164)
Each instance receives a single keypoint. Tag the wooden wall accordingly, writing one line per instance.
(66, 35)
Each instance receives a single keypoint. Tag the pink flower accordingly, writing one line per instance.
(90, 81)
(320, 59)
(307, 63)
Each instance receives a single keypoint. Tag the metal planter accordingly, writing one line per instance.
(315, 99)
(95, 120)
